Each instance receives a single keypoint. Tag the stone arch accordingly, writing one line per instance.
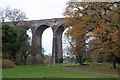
(39, 30)
(37, 43)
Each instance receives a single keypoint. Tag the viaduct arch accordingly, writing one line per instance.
(38, 27)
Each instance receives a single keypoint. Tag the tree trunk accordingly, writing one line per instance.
(114, 65)
(79, 61)
(25, 60)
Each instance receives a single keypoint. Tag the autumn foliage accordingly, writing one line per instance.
(97, 20)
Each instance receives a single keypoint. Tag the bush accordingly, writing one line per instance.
(7, 64)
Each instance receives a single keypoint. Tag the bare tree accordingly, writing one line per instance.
(13, 15)
(3, 15)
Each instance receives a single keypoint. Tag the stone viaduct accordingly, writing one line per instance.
(38, 27)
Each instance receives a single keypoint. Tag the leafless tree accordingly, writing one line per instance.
(3, 15)
(13, 15)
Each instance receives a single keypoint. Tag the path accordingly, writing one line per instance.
(90, 72)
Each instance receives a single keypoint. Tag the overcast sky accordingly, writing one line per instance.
(39, 9)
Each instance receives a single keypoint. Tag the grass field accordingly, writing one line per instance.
(105, 68)
(47, 71)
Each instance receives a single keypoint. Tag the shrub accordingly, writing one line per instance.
(7, 64)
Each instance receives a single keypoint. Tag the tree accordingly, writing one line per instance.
(3, 15)
(108, 34)
(16, 16)
(99, 18)
(23, 39)
(9, 41)
(106, 30)
(15, 40)
(13, 15)
(25, 51)
(77, 33)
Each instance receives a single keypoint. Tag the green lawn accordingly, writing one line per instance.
(46, 71)
(105, 68)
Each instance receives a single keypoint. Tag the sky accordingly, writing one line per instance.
(39, 9)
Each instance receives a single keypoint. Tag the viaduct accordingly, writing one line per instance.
(38, 27)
